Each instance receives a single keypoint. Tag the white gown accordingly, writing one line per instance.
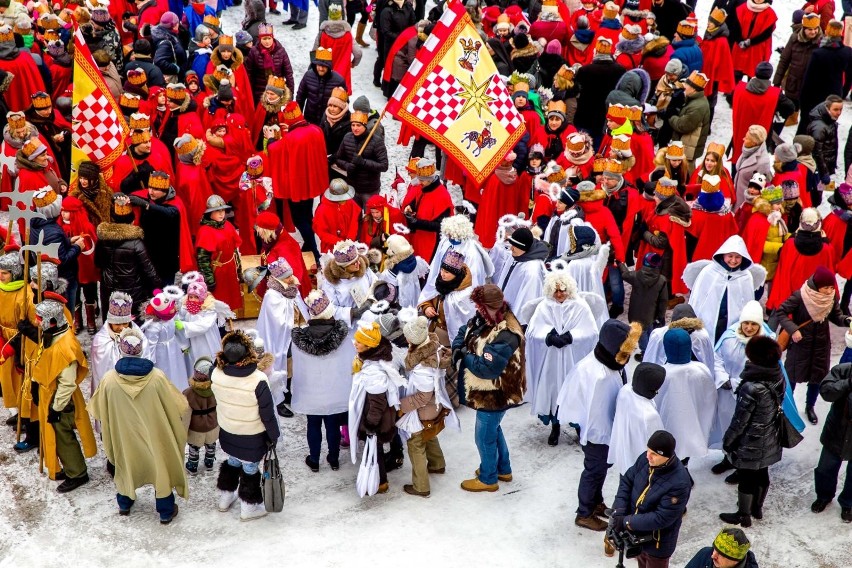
(275, 326)
(167, 349)
(321, 384)
(476, 258)
(525, 283)
(375, 377)
(104, 353)
(687, 404)
(500, 255)
(702, 347)
(340, 297)
(588, 398)
(201, 330)
(547, 367)
(408, 284)
(636, 418)
(589, 271)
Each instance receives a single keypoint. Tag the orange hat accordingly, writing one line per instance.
(576, 143)
(696, 80)
(686, 29)
(717, 18)
(292, 114)
(139, 121)
(159, 180)
(603, 46)
(610, 11)
(16, 119)
(834, 29)
(359, 116)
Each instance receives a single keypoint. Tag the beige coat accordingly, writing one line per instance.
(144, 421)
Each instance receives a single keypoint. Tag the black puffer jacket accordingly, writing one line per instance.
(649, 296)
(161, 222)
(829, 72)
(169, 54)
(124, 262)
(595, 81)
(836, 388)
(823, 129)
(365, 177)
(666, 492)
(334, 134)
(751, 440)
(314, 91)
(152, 72)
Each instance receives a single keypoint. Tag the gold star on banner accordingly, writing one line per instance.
(474, 96)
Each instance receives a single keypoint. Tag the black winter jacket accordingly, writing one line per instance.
(703, 559)
(334, 134)
(161, 223)
(169, 54)
(823, 129)
(794, 62)
(314, 92)
(392, 21)
(836, 388)
(53, 233)
(751, 440)
(649, 296)
(660, 511)
(124, 262)
(829, 72)
(595, 81)
(364, 177)
(153, 74)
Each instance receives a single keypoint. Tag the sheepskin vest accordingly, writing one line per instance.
(236, 402)
(507, 390)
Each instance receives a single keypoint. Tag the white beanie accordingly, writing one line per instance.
(752, 312)
(417, 330)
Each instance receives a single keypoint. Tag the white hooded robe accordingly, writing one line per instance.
(636, 418)
(687, 405)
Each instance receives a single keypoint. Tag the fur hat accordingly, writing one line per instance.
(457, 228)
(559, 280)
(120, 309)
(620, 339)
(162, 306)
(677, 346)
(647, 379)
(131, 342)
(763, 351)
(662, 443)
(319, 306)
(488, 296)
(417, 330)
(752, 312)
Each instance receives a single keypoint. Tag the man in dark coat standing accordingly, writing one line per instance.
(317, 84)
(836, 441)
(829, 72)
(669, 13)
(595, 82)
(823, 129)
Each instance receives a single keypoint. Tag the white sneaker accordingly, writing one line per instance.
(226, 499)
(250, 512)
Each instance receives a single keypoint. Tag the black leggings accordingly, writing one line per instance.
(354, 8)
(302, 213)
(753, 479)
(89, 292)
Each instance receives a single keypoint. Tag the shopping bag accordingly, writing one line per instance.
(273, 483)
(367, 482)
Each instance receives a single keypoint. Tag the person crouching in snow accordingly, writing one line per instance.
(143, 428)
(374, 398)
(562, 330)
(203, 425)
(247, 422)
(489, 351)
(426, 407)
(161, 333)
(720, 288)
(403, 269)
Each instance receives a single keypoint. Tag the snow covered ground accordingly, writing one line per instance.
(529, 522)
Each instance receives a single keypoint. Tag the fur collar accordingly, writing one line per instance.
(596, 195)
(427, 354)
(335, 28)
(631, 46)
(278, 107)
(334, 273)
(246, 362)
(119, 232)
(319, 338)
(7, 80)
(529, 51)
(689, 324)
(233, 64)
(99, 208)
(265, 361)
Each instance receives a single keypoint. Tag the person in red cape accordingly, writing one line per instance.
(799, 257)
(712, 165)
(520, 96)
(549, 25)
(226, 54)
(622, 199)
(379, 222)
(181, 116)
(718, 64)
(600, 217)
(591, 10)
(75, 223)
(163, 218)
(753, 105)
(336, 35)
(766, 232)
(269, 107)
(578, 49)
(836, 225)
(15, 134)
(757, 22)
(545, 181)
(756, 185)
(228, 147)
(424, 207)
(196, 89)
(60, 64)
(155, 107)
(275, 243)
(642, 147)
(300, 151)
(610, 26)
(37, 169)
(130, 171)
(786, 168)
(254, 196)
(337, 215)
(55, 129)
(500, 196)
(216, 249)
(663, 233)
(712, 220)
(556, 130)
(191, 183)
(578, 155)
(21, 65)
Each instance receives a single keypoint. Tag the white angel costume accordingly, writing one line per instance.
(375, 377)
(322, 371)
(457, 234)
(201, 330)
(104, 353)
(687, 404)
(587, 399)
(702, 345)
(340, 293)
(275, 327)
(636, 418)
(426, 379)
(407, 283)
(522, 279)
(167, 350)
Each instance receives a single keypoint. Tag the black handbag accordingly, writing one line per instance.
(273, 483)
(788, 436)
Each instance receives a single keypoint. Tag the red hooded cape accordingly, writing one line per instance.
(335, 221)
(754, 235)
(341, 55)
(222, 245)
(718, 65)
(427, 206)
(26, 82)
(793, 270)
(298, 164)
(711, 230)
(751, 109)
(193, 189)
(498, 199)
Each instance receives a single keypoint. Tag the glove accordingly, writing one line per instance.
(178, 324)
(137, 201)
(744, 43)
(618, 522)
(727, 385)
(412, 221)
(458, 357)
(825, 179)
(28, 330)
(356, 313)
(358, 160)
(53, 416)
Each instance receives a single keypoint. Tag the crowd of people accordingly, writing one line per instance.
(400, 304)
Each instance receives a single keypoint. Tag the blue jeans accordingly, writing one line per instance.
(71, 296)
(643, 339)
(825, 478)
(165, 505)
(332, 436)
(249, 468)
(616, 286)
(491, 444)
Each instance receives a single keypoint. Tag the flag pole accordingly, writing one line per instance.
(373, 130)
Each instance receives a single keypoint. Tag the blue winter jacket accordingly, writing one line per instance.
(703, 560)
(660, 510)
(689, 54)
(53, 233)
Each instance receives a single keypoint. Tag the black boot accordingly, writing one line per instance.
(395, 457)
(757, 505)
(722, 466)
(72, 483)
(553, 439)
(733, 479)
(743, 515)
(284, 411)
(811, 414)
(229, 477)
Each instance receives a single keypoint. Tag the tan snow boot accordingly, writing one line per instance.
(359, 35)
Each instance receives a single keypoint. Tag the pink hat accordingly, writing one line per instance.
(162, 306)
(553, 47)
(198, 289)
(169, 20)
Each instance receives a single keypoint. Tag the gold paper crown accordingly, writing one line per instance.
(566, 72)
(674, 152)
(44, 197)
(221, 72)
(425, 171)
(159, 180)
(634, 113)
(292, 112)
(610, 11)
(599, 163)
(697, 80)
(834, 29)
(521, 87)
(50, 35)
(129, 100)
(139, 121)
(30, 147)
(810, 21)
(279, 82)
(140, 136)
(665, 190)
(6, 34)
(617, 110)
(550, 3)
(176, 91)
(411, 166)
(122, 208)
(226, 40)
(557, 106)
(211, 19)
(707, 185)
(137, 77)
(716, 148)
(358, 116)
(340, 92)
(503, 19)
(556, 175)
(16, 119)
(621, 143)
(603, 46)
(613, 166)
(685, 29)
(188, 147)
(323, 54)
(718, 17)
(41, 100)
(576, 143)
(627, 34)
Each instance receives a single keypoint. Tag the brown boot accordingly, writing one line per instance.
(591, 522)
(78, 319)
(91, 324)
(792, 120)
(476, 486)
(359, 34)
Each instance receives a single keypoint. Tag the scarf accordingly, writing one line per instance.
(288, 292)
(818, 304)
(444, 287)
(757, 8)
(334, 118)
(193, 307)
(13, 286)
(809, 162)
(266, 54)
(52, 179)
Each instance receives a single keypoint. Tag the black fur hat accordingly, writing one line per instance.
(764, 351)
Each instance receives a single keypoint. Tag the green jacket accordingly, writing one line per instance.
(692, 125)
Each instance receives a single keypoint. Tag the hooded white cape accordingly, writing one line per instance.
(104, 353)
(407, 283)
(375, 377)
(587, 398)
(636, 418)
(702, 347)
(275, 326)
(687, 404)
(201, 330)
(524, 284)
(589, 271)
(476, 258)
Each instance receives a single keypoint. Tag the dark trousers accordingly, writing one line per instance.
(71, 296)
(812, 394)
(332, 436)
(418, 150)
(825, 478)
(645, 560)
(590, 491)
(302, 213)
(753, 479)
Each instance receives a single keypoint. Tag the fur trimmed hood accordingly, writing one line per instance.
(631, 46)
(334, 273)
(689, 324)
(246, 342)
(636, 84)
(656, 47)
(335, 28)
(236, 61)
(677, 210)
(119, 232)
(630, 343)
(320, 337)
(98, 209)
(427, 354)
(529, 51)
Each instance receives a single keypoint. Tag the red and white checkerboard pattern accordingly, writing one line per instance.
(502, 107)
(95, 126)
(435, 103)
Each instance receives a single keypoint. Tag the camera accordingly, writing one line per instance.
(627, 544)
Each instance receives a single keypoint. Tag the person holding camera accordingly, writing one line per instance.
(650, 503)
(730, 550)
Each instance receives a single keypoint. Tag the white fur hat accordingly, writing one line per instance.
(752, 312)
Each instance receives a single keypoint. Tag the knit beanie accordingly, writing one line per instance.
(647, 379)
(732, 543)
(823, 277)
(677, 346)
(662, 443)
(368, 335)
(417, 330)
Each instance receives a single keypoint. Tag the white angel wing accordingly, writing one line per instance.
(692, 270)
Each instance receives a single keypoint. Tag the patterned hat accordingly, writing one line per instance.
(131, 342)
(665, 188)
(280, 269)
(675, 151)
(612, 169)
(120, 308)
(339, 97)
(369, 335)
(631, 32)
(138, 137)
(617, 113)
(453, 262)
(276, 85)
(226, 43)
(33, 148)
(16, 119)
(176, 92)
(790, 188)
(254, 166)
(292, 114)
(599, 164)
(162, 306)
(710, 183)
(51, 310)
(121, 208)
(11, 261)
(358, 116)
(557, 108)
(41, 100)
(213, 23)
(6, 34)
(265, 30)
(697, 80)
(717, 18)
(426, 171)
(621, 144)
(773, 194)
(47, 202)
(186, 145)
(603, 46)
(345, 252)
(732, 543)
(833, 30)
(129, 101)
(322, 56)
(711, 198)
(576, 143)
(198, 289)
(417, 330)
(137, 77)
(686, 29)
(159, 180)
(319, 306)
(810, 21)
(139, 121)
